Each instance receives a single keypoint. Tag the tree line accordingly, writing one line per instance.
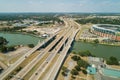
(99, 21)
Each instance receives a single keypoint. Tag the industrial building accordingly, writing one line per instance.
(107, 30)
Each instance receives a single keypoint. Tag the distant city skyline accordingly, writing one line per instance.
(91, 6)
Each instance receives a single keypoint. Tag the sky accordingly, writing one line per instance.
(90, 6)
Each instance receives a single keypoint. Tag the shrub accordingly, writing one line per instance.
(31, 45)
(76, 58)
(64, 73)
(74, 72)
(84, 71)
(77, 68)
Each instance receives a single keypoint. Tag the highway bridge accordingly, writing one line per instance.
(18, 62)
(60, 43)
(49, 59)
(31, 64)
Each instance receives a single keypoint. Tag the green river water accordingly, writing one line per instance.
(104, 51)
(20, 39)
(98, 50)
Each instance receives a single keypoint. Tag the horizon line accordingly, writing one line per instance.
(63, 12)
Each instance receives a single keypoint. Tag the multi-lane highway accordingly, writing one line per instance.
(27, 68)
(55, 69)
(48, 60)
(64, 37)
(18, 62)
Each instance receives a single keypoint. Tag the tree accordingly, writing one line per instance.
(3, 49)
(84, 71)
(31, 45)
(76, 58)
(82, 63)
(64, 73)
(74, 72)
(112, 61)
(77, 68)
(96, 41)
(2, 41)
(73, 77)
(64, 68)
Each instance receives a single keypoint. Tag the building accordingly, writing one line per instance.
(107, 31)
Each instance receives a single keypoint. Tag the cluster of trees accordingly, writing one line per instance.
(3, 41)
(112, 61)
(4, 48)
(81, 65)
(99, 21)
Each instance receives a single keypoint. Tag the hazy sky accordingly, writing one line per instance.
(59, 5)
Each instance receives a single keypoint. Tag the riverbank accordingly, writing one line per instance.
(99, 50)
(85, 35)
(18, 32)
(100, 43)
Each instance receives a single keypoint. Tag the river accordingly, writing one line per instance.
(98, 50)
(20, 39)
(104, 51)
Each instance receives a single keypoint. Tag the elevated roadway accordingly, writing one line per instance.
(28, 67)
(19, 61)
(49, 59)
(56, 67)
